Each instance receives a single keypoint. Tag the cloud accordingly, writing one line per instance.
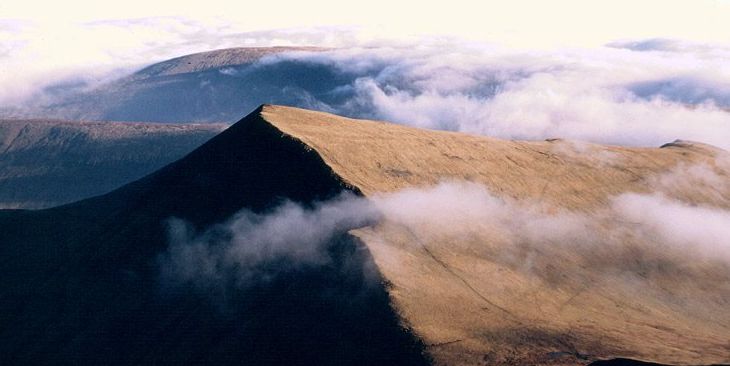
(645, 92)
(633, 234)
(600, 95)
(675, 46)
(651, 223)
(253, 248)
(653, 44)
(697, 230)
(691, 90)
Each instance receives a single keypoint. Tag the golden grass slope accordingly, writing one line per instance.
(466, 290)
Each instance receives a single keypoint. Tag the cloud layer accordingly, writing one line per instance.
(604, 95)
(645, 92)
(254, 248)
(251, 248)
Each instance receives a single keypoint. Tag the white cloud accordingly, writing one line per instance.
(255, 247)
(619, 94)
(695, 230)
(602, 95)
(251, 248)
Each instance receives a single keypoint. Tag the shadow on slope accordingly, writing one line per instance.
(82, 282)
(49, 163)
(218, 94)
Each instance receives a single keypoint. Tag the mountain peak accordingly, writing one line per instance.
(377, 156)
(472, 294)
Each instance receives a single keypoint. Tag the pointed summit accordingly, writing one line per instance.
(82, 280)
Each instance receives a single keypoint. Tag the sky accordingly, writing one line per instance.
(40, 36)
(635, 72)
(517, 22)
(625, 72)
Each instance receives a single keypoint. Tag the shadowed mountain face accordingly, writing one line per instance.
(216, 86)
(419, 282)
(564, 252)
(48, 163)
(83, 283)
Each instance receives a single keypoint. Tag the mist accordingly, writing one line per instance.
(636, 92)
(633, 234)
(606, 95)
(255, 248)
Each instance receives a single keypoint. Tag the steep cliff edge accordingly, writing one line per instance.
(554, 273)
(586, 299)
(83, 282)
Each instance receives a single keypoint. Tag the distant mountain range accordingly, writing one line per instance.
(47, 163)
(215, 86)
(86, 283)
(51, 162)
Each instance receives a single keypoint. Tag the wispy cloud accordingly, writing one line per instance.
(666, 232)
(251, 248)
(602, 95)
(36, 55)
(634, 92)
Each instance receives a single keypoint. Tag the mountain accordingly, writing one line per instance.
(85, 283)
(473, 296)
(215, 86)
(214, 60)
(83, 279)
(48, 163)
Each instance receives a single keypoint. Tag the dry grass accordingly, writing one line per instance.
(471, 306)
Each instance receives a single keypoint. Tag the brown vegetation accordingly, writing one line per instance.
(466, 291)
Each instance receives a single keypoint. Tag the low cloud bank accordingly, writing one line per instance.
(634, 233)
(603, 95)
(254, 248)
(697, 230)
(645, 92)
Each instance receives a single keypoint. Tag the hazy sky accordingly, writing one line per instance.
(664, 75)
(39, 36)
(518, 22)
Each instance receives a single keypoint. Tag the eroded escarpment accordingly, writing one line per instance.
(82, 281)
(595, 285)
(382, 157)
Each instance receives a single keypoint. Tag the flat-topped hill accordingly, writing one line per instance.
(48, 163)
(203, 61)
(215, 86)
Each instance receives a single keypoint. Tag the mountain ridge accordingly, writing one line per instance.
(46, 163)
(83, 278)
(439, 297)
(202, 61)
(378, 158)
(206, 87)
